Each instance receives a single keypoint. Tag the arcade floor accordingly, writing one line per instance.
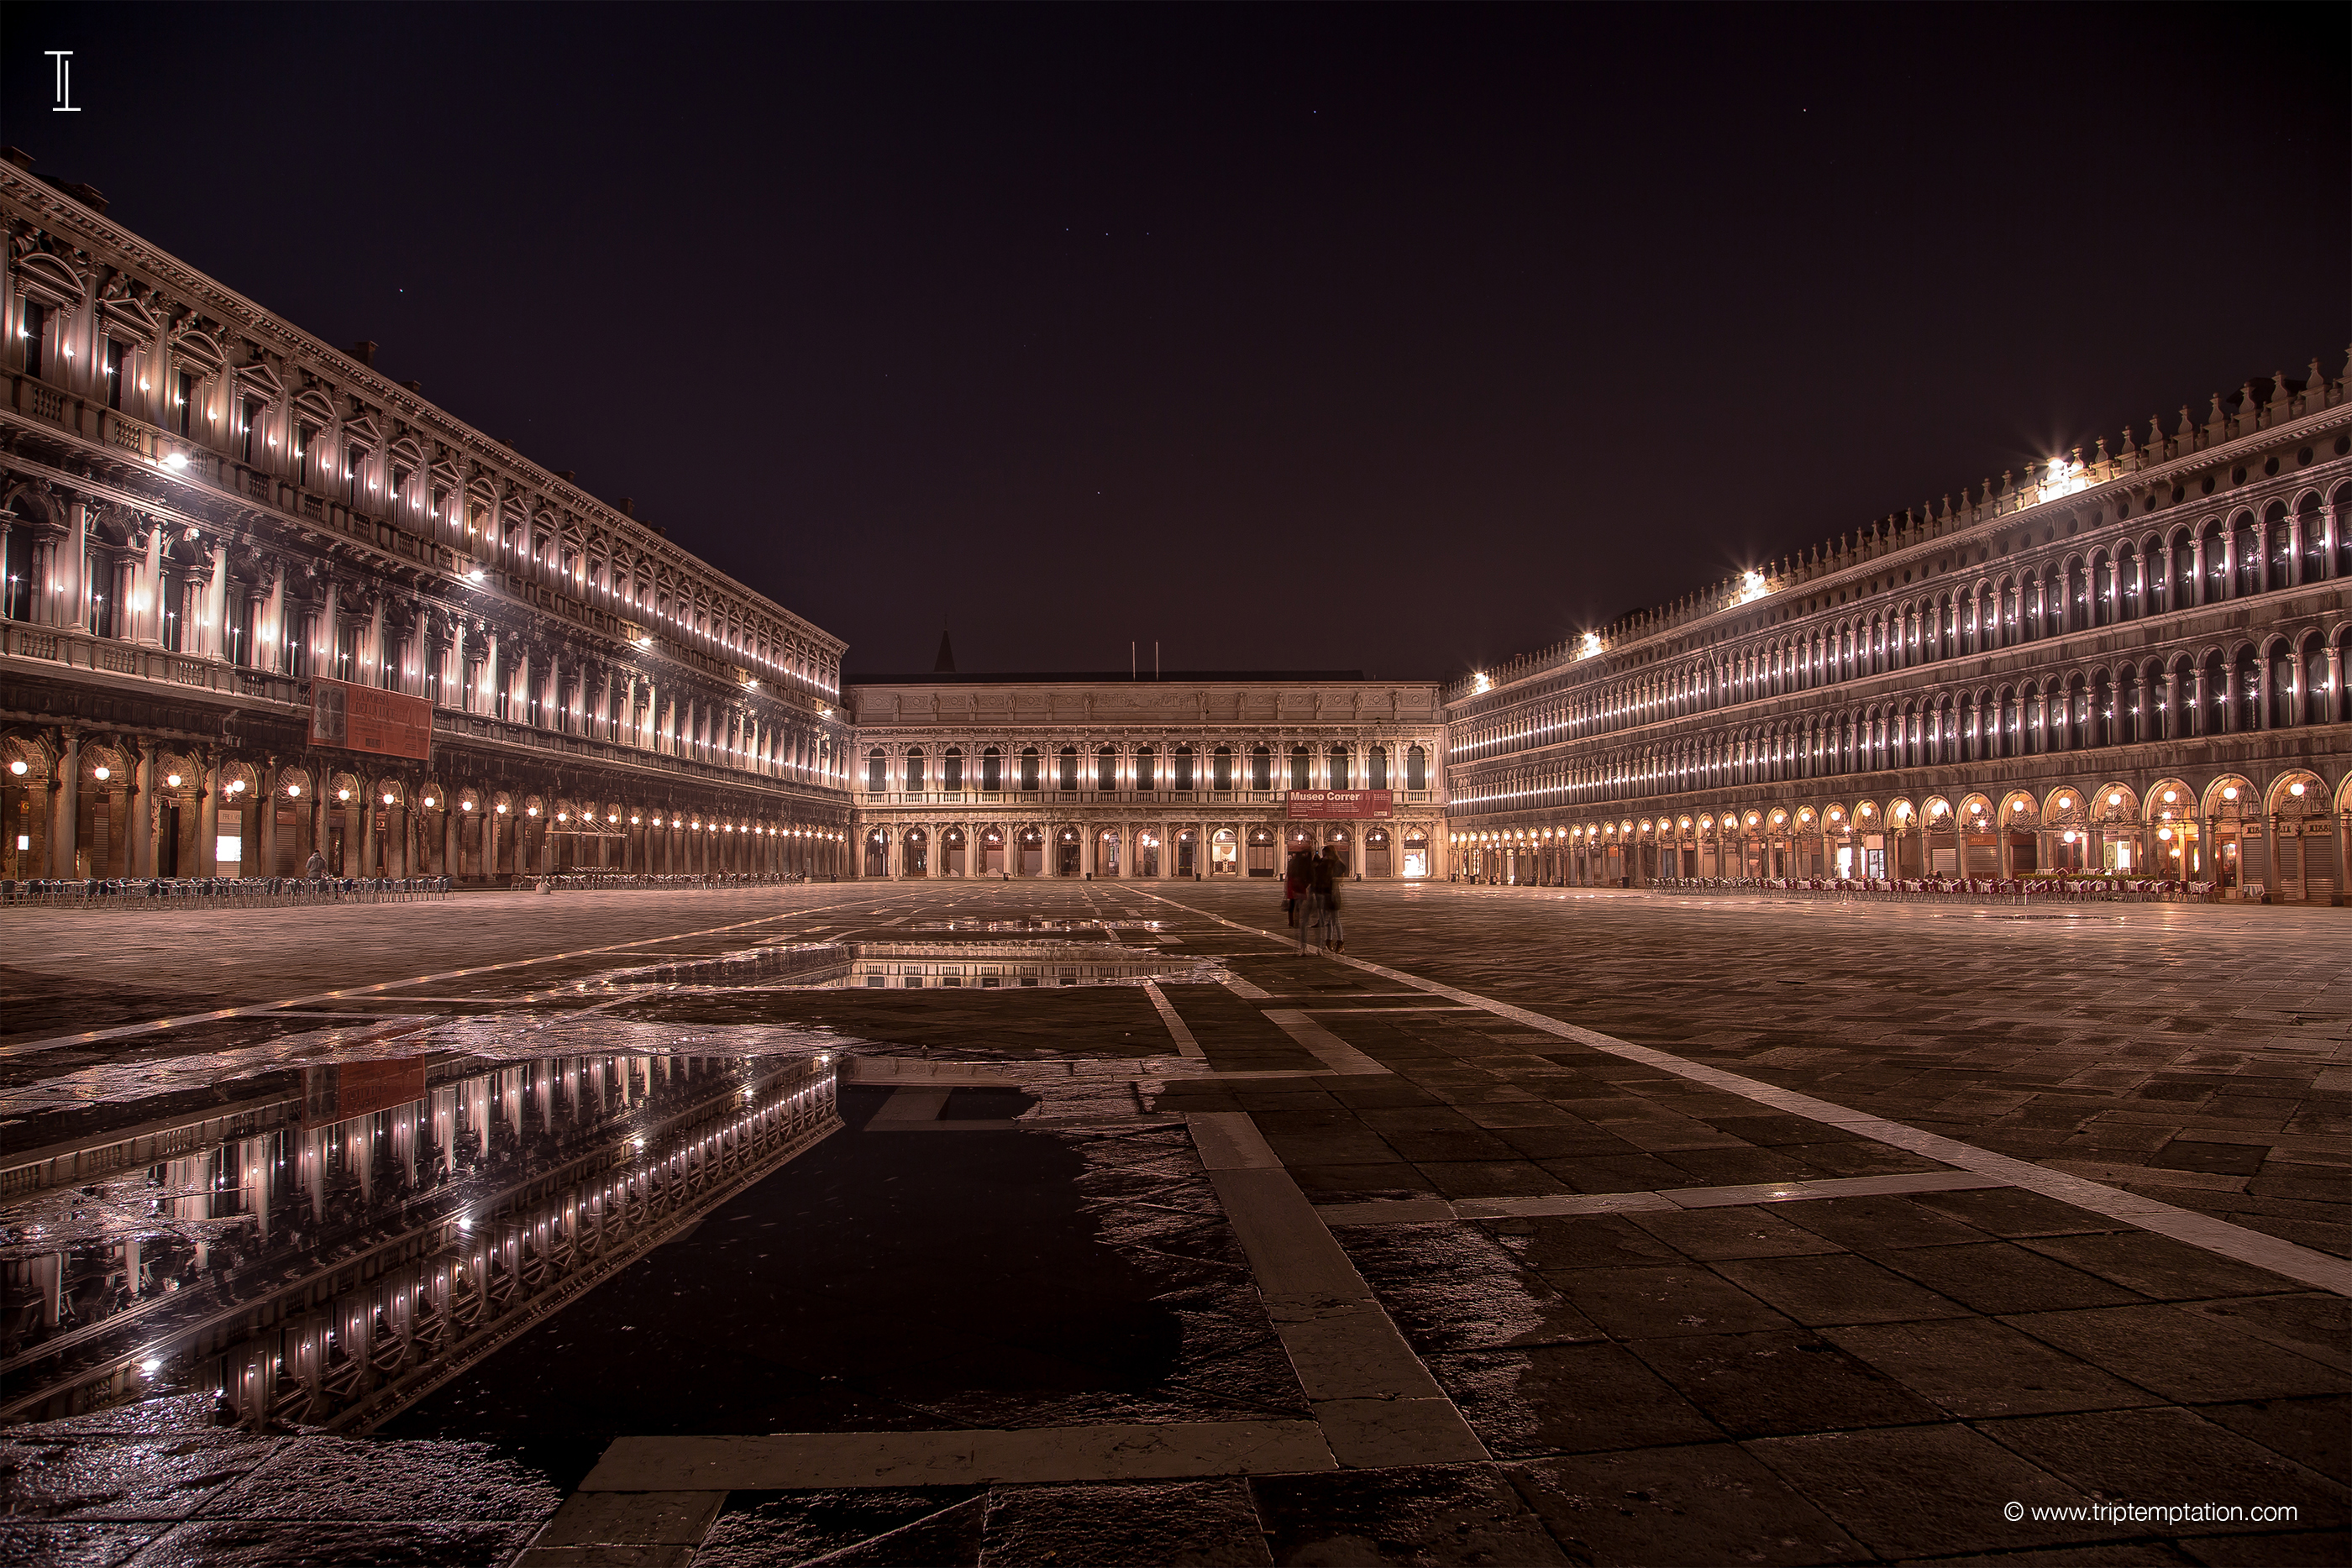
(967, 1223)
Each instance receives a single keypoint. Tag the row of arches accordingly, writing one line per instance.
(2290, 541)
(166, 813)
(1129, 850)
(2285, 835)
(2285, 680)
(124, 344)
(1110, 767)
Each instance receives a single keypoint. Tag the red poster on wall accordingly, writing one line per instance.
(368, 719)
(1339, 805)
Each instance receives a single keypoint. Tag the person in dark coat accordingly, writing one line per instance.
(1294, 884)
(1331, 871)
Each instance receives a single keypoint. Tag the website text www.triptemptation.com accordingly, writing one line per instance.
(2161, 1513)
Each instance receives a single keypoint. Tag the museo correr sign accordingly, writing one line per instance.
(1339, 805)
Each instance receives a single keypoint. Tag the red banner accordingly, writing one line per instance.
(338, 1092)
(1338, 805)
(369, 718)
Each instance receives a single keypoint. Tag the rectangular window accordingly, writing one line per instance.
(954, 779)
(1184, 769)
(249, 422)
(185, 410)
(1029, 770)
(1379, 778)
(36, 340)
(1221, 770)
(113, 375)
(1261, 769)
(1298, 768)
(1069, 769)
(992, 770)
(1143, 771)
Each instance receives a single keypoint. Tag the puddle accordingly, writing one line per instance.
(915, 965)
(319, 1246)
(897, 1281)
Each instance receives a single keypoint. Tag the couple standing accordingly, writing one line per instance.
(1310, 889)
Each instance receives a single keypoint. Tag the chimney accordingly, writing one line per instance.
(567, 475)
(364, 353)
(416, 387)
(628, 506)
(86, 195)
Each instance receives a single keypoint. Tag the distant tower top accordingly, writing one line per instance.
(945, 664)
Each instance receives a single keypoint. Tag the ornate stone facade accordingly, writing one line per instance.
(2134, 663)
(1107, 777)
(202, 509)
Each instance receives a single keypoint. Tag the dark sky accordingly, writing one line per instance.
(1309, 337)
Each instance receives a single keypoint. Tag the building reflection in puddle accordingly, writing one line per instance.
(835, 966)
(344, 1238)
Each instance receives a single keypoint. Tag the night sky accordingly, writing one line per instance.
(1398, 339)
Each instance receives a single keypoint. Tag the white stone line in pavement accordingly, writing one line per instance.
(1429, 1210)
(2236, 1242)
(1383, 1012)
(255, 1009)
(615, 1522)
(1241, 987)
(911, 1104)
(1375, 1402)
(813, 1460)
(1326, 1047)
(1185, 1044)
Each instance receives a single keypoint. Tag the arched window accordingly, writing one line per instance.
(1184, 767)
(1340, 767)
(877, 771)
(914, 768)
(1145, 775)
(1028, 768)
(1069, 775)
(1298, 766)
(1221, 769)
(1106, 769)
(1377, 776)
(992, 768)
(1261, 768)
(1416, 769)
(952, 768)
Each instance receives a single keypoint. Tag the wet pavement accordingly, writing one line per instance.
(1541, 1226)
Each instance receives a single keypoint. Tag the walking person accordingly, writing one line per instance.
(1331, 874)
(1294, 885)
(1310, 906)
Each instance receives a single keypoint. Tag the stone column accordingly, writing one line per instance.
(207, 817)
(65, 785)
(140, 807)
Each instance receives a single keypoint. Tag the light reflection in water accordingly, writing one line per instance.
(336, 1241)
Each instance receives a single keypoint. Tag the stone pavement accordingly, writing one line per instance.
(1542, 1227)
